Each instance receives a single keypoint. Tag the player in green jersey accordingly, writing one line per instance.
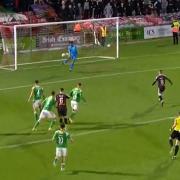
(47, 113)
(76, 96)
(61, 138)
(37, 94)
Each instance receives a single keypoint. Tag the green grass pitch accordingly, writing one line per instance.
(121, 133)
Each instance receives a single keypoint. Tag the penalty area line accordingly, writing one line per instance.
(11, 146)
(91, 77)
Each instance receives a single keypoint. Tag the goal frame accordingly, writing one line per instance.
(57, 23)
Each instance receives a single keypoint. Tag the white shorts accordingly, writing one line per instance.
(61, 152)
(37, 104)
(47, 114)
(74, 105)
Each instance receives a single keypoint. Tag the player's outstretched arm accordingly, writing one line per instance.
(173, 126)
(169, 81)
(154, 83)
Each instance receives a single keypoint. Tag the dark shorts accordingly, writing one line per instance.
(175, 135)
(161, 89)
(62, 111)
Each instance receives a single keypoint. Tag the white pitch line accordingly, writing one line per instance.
(82, 62)
(90, 77)
(11, 146)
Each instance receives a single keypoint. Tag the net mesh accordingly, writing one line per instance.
(45, 43)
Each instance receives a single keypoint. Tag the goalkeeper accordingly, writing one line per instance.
(73, 53)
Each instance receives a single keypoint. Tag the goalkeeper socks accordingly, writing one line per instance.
(176, 150)
(72, 65)
(65, 61)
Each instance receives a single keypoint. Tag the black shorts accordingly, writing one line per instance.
(161, 89)
(175, 135)
(62, 110)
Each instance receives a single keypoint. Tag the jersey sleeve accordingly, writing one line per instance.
(54, 136)
(68, 135)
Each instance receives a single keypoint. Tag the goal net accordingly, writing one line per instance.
(44, 43)
(7, 48)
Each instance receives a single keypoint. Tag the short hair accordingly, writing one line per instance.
(53, 93)
(61, 89)
(36, 81)
(79, 84)
(62, 126)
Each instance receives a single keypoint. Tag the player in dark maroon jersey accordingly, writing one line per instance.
(161, 80)
(61, 99)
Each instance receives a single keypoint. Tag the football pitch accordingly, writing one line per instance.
(120, 133)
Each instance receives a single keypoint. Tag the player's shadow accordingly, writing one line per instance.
(175, 105)
(110, 173)
(22, 134)
(144, 113)
(161, 170)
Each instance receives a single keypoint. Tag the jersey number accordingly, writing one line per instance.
(60, 140)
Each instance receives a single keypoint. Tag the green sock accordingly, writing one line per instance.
(36, 124)
(36, 116)
(51, 124)
(55, 161)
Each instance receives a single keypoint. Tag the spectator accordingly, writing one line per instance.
(114, 8)
(86, 9)
(78, 11)
(170, 6)
(157, 6)
(128, 8)
(164, 4)
(91, 8)
(70, 13)
(108, 11)
(120, 7)
(100, 9)
(63, 12)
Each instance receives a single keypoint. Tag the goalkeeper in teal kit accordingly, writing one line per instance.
(73, 53)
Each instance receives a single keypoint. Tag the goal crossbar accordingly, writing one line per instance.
(16, 27)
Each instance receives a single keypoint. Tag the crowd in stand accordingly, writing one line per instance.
(84, 9)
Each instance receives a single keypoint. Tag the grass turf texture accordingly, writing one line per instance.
(113, 132)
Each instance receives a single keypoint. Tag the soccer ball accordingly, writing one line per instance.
(108, 45)
(63, 54)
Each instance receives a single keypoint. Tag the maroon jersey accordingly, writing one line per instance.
(161, 79)
(61, 99)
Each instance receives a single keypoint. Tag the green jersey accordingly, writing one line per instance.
(76, 94)
(37, 92)
(61, 138)
(49, 103)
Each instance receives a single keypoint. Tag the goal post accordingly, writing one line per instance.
(42, 43)
(7, 53)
